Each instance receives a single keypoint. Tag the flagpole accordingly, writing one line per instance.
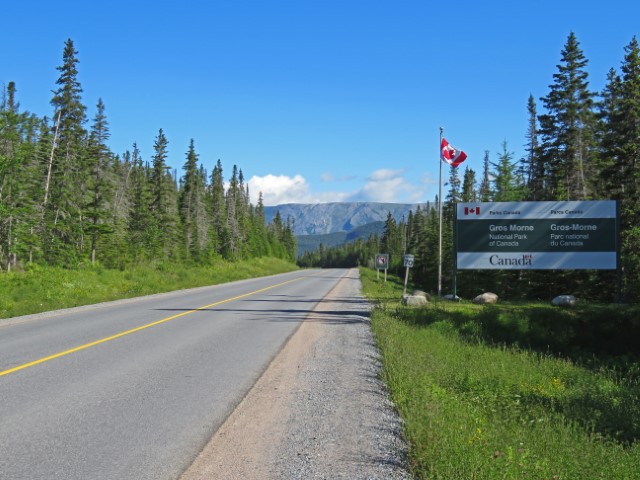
(440, 218)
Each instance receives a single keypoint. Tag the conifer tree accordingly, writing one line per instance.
(623, 144)
(608, 140)
(144, 232)
(233, 239)
(276, 232)
(32, 191)
(218, 209)
(116, 248)
(535, 173)
(12, 157)
(192, 208)
(392, 242)
(188, 199)
(507, 188)
(258, 238)
(485, 186)
(100, 186)
(567, 129)
(288, 240)
(67, 193)
(158, 178)
(628, 126)
(165, 200)
(469, 193)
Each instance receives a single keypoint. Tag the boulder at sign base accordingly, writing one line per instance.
(451, 297)
(420, 293)
(486, 298)
(564, 301)
(414, 300)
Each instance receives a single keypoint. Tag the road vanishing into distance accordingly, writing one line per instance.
(134, 389)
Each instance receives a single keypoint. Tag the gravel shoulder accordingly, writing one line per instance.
(319, 411)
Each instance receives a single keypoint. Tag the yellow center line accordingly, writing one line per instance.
(137, 329)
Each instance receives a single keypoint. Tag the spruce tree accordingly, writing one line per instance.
(144, 231)
(469, 193)
(625, 144)
(628, 126)
(218, 209)
(13, 155)
(100, 186)
(567, 128)
(258, 240)
(158, 177)
(507, 188)
(535, 173)
(611, 177)
(192, 207)
(232, 245)
(67, 195)
(116, 248)
(484, 193)
(164, 205)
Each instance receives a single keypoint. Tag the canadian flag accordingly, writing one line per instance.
(451, 155)
(471, 211)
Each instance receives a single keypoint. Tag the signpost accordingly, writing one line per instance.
(537, 235)
(408, 263)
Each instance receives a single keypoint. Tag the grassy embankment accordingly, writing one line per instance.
(512, 391)
(42, 289)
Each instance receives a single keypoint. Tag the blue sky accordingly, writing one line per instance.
(314, 101)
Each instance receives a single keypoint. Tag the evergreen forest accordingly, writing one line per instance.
(579, 145)
(67, 200)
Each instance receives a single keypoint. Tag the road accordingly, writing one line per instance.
(134, 389)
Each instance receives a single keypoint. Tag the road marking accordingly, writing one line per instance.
(137, 329)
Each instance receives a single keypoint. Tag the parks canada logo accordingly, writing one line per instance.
(520, 260)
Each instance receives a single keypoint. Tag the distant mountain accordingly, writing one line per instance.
(325, 218)
(310, 243)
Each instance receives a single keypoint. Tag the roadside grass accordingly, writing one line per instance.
(41, 289)
(482, 398)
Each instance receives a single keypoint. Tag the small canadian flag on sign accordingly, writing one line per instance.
(471, 211)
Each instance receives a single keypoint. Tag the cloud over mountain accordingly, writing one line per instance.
(383, 185)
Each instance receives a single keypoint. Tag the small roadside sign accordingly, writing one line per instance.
(382, 261)
(408, 261)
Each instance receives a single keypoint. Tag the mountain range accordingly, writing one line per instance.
(324, 218)
(333, 224)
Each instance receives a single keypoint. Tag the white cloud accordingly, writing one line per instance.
(327, 177)
(384, 175)
(391, 186)
(280, 189)
(384, 185)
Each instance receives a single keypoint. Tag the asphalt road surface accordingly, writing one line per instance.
(134, 389)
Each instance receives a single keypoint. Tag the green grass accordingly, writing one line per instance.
(42, 289)
(478, 404)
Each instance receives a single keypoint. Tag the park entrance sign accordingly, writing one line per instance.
(537, 235)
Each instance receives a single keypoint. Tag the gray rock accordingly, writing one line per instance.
(564, 301)
(420, 293)
(414, 300)
(451, 297)
(486, 298)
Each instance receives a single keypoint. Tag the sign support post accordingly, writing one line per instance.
(408, 263)
(455, 256)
